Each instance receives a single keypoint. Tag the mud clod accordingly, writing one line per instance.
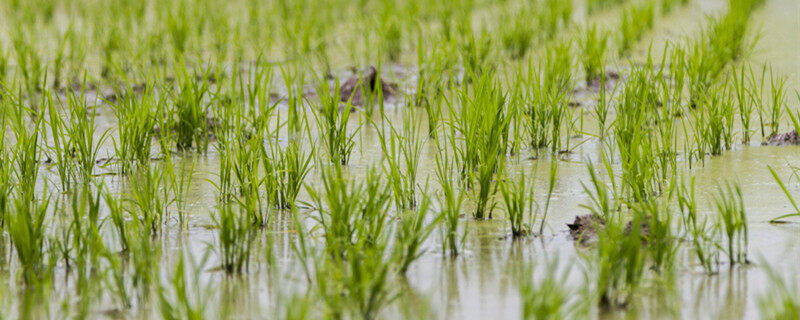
(371, 81)
(584, 228)
(790, 138)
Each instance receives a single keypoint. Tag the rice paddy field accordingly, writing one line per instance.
(444, 159)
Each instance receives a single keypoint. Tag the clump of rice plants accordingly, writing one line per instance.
(730, 207)
(593, 45)
(546, 109)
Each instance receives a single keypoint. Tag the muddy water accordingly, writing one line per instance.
(481, 283)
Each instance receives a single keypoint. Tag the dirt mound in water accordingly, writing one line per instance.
(370, 81)
(584, 228)
(785, 139)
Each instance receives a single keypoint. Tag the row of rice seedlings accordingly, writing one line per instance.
(636, 21)
(332, 122)
(402, 151)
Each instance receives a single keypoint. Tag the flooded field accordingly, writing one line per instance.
(547, 159)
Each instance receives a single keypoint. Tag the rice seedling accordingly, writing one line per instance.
(780, 301)
(787, 193)
(350, 212)
(332, 122)
(26, 153)
(61, 148)
(29, 62)
(117, 215)
(149, 198)
(638, 145)
(662, 245)
(234, 239)
(25, 225)
(704, 235)
(744, 100)
(553, 15)
(730, 207)
(412, 231)
(450, 205)
(183, 296)
(189, 111)
(402, 151)
(519, 36)
(620, 261)
(593, 45)
(81, 133)
(635, 22)
(777, 101)
(550, 187)
(546, 110)
(714, 121)
(519, 206)
(136, 122)
(543, 293)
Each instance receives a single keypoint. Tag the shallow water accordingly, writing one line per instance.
(481, 283)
